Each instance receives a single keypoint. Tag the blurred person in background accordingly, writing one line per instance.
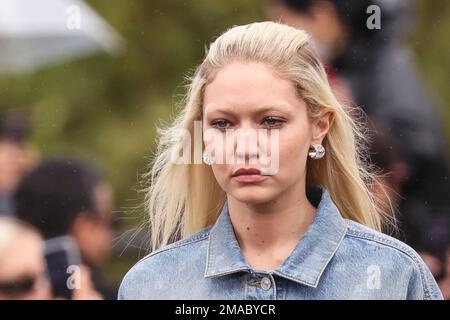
(382, 79)
(15, 158)
(22, 264)
(444, 283)
(66, 196)
(386, 153)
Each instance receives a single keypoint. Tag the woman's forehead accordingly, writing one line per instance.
(271, 106)
(249, 85)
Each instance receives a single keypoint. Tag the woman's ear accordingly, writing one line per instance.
(321, 126)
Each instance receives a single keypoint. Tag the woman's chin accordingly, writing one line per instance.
(253, 196)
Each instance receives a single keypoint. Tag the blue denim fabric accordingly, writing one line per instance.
(336, 259)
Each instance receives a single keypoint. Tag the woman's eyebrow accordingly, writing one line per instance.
(273, 106)
(276, 106)
(218, 108)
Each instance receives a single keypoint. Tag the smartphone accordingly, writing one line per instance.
(63, 258)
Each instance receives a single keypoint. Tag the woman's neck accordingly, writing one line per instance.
(267, 233)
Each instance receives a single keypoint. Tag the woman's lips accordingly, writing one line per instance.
(250, 178)
(248, 175)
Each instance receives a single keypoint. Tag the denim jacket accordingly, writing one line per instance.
(336, 258)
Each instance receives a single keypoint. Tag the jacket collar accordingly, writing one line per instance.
(307, 261)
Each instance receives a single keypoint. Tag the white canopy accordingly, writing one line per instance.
(34, 33)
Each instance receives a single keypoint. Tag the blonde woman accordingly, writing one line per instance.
(290, 213)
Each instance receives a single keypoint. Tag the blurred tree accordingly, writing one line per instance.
(431, 45)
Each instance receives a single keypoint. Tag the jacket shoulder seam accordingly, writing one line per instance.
(399, 247)
(202, 235)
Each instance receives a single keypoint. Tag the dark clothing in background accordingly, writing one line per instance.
(384, 82)
(108, 291)
(6, 205)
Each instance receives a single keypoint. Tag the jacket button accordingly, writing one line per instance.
(266, 284)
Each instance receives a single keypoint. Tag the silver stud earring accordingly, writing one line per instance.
(317, 152)
(207, 158)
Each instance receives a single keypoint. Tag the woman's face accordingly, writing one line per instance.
(249, 96)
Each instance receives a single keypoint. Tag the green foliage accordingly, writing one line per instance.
(431, 45)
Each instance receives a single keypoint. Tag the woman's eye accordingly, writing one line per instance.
(272, 122)
(220, 124)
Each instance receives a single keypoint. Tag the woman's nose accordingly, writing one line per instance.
(247, 146)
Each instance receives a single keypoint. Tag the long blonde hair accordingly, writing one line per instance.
(183, 198)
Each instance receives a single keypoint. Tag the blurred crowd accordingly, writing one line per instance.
(54, 212)
(67, 198)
